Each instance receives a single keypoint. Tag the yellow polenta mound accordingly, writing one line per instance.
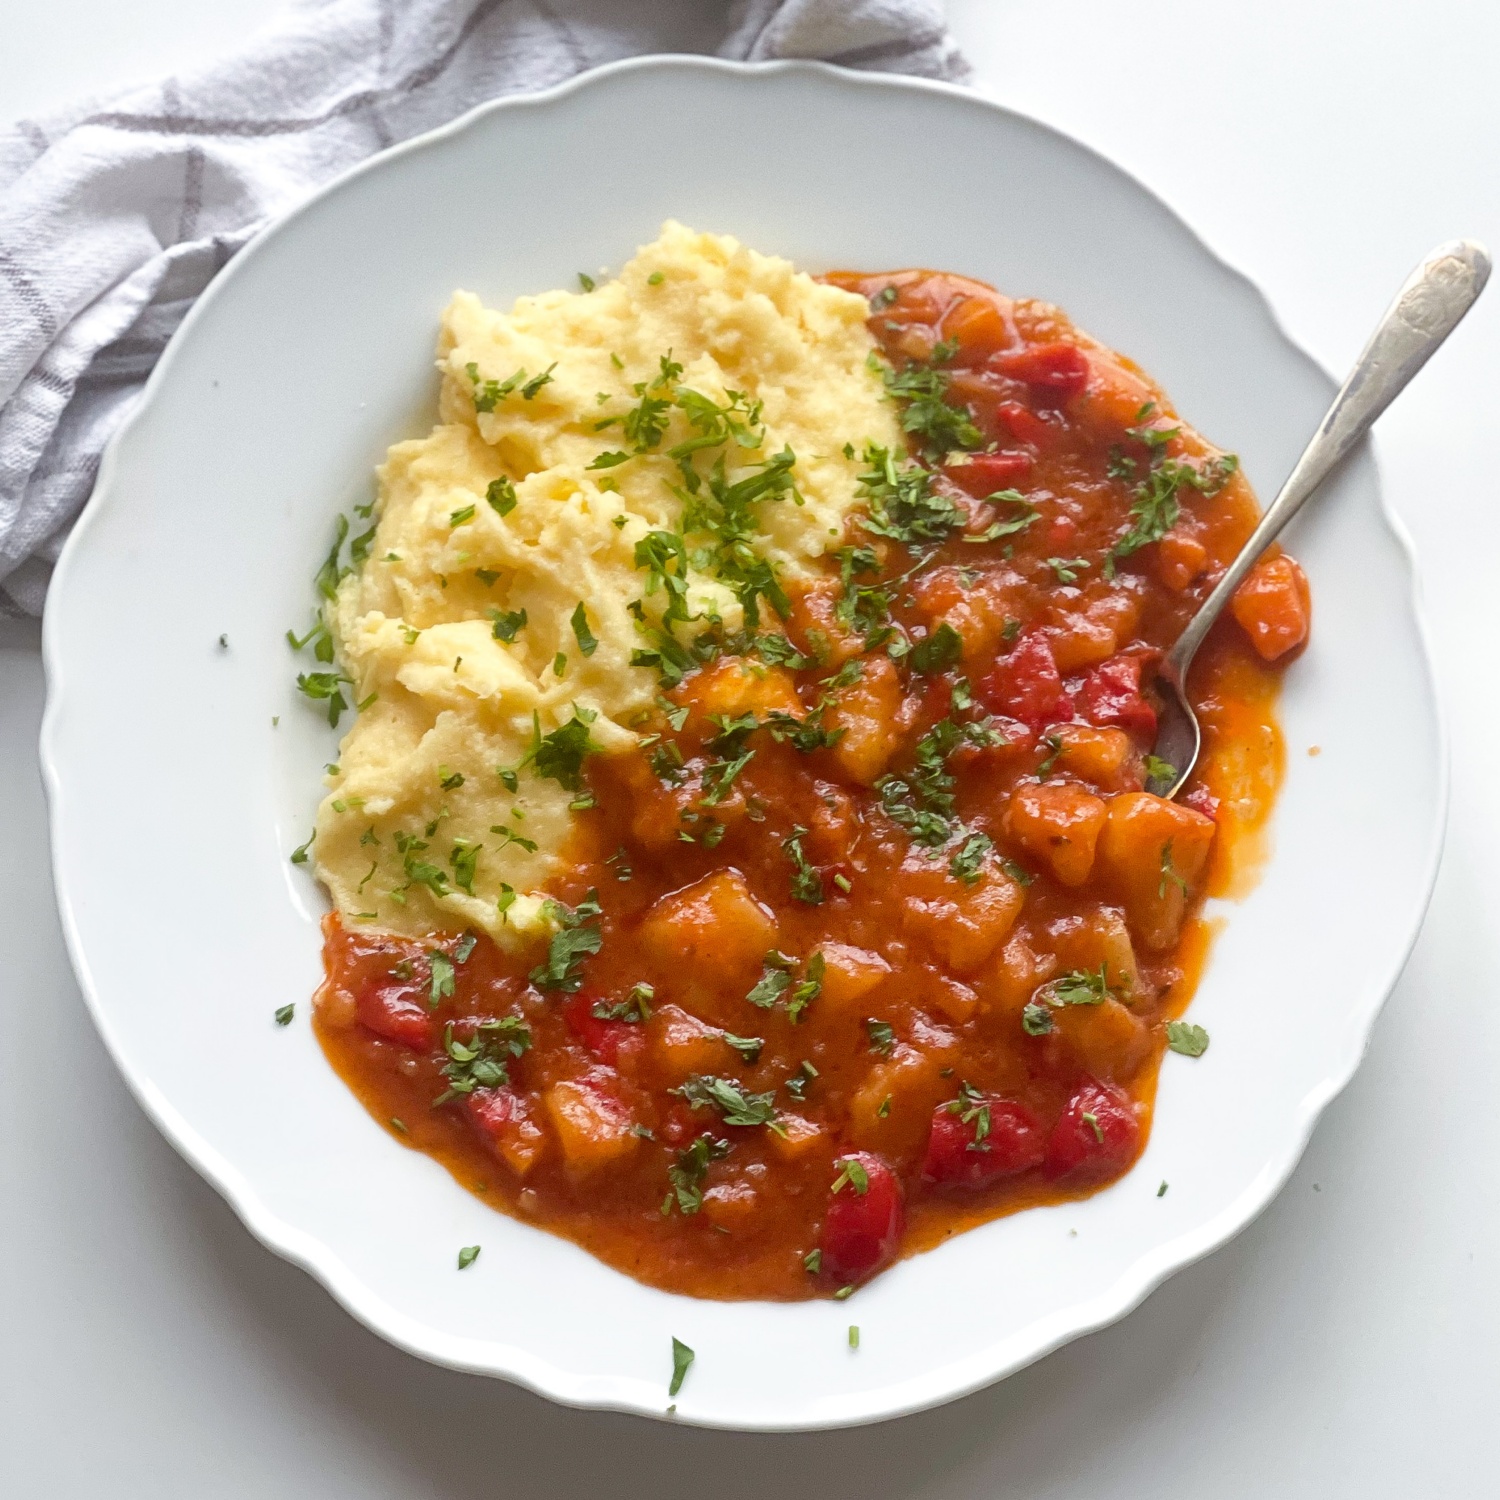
(437, 760)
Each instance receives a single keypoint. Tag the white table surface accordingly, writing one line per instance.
(1346, 1344)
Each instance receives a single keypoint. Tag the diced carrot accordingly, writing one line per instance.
(1180, 559)
(979, 326)
(1059, 823)
(866, 712)
(1274, 607)
(1152, 852)
(714, 927)
(593, 1126)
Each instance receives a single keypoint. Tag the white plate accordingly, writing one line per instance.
(175, 802)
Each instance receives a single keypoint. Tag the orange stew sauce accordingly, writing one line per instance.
(878, 934)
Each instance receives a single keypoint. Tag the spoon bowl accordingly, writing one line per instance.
(1429, 306)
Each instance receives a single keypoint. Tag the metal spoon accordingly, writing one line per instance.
(1426, 310)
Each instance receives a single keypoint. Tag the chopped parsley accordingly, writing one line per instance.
(972, 1108)
(808, 990)
(1157, 504)
(501, 495)
(1169, 875)
(507, 624)
(577, 938)
(284, 1014)
(1184, 1037)
(1159, 773)
(900, 501)
(327, 687)
(460, 516)
(581, 632)
(440, 984)
(483, 1062)
(807, 884)
(938, 426)
(937, 651)
(734, 1103)
(852, 1175)
(467, 1256)
(682, 1356)
(774, 982)
(1066, 569)
(686, 1174)
(559, 756)
(634, 1008)
(882, 1037)
(967, 863)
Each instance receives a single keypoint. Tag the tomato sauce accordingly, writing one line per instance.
(879, 933)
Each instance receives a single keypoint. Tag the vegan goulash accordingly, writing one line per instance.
(745, 859)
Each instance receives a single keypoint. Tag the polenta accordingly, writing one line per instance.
(537, 551)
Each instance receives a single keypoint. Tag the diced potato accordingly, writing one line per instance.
(1078, 641)
(962, 924)
(797, 1138)
(1060, 823)
(867, 712)
(977, 609)
(733, 685)
(1180, 560)
(833, 825)
(1105, 1040)
(1115, 393)
(731, 1204)
(1100, 937)
(849, 974)
(1097, 755)
(957, 1002)
(1152, 852)
(1006, 986)
(681, 1044)
(891, 1110)
(714, 929)
(815, 623)
(1273, 606)
(1120, 608)
(592, 1126)
(979, 325)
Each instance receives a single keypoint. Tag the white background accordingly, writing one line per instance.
(1346, 1344)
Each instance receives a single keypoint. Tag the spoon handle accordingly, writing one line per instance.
(1426, 310)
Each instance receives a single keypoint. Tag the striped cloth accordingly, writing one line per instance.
(116, 213)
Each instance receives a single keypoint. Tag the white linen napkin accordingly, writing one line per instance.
(117, 212)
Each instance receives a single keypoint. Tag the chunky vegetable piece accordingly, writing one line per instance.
(878, 930)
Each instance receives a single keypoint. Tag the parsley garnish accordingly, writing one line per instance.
(575, 940)
(737, 1106)
(1169, 875)
(968, 862)
(1159, 772)
(634, 1008)
(559, 756)
(972, 1108)
(900, 501)
(501, 495)
(1067, 569)
(326, 687)
(467, 1256)
(284, 1015)
(581, 632)
(1184, 1037)
(460, 516)
(682, 1356)
(853, 1175)
(774, 982)
(809, 989)
(938, 650)
(686, 1174)
(440, 972)
(483, 1062)
(882, 1036)
(938, 426)
(807, 884)
(508, 623)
